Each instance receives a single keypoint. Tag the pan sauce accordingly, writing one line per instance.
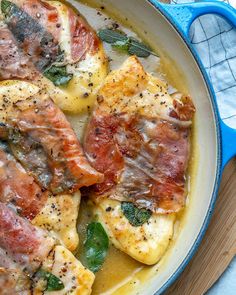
(121, 274)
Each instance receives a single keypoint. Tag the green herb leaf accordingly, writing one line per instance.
(123, 45)
(53, 282)
(6, 7)
(96, 246)
(111, 36)
(139, 49)
(121, 41)
(58, 75)
(135, 215)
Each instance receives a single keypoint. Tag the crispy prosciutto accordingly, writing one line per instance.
(18, 188)
(43, 141)
(139, 137)
(25, 244)
(36, 37)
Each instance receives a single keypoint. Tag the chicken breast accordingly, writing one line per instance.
(139, 138)
(24, 249)
(59, 217)
(146, 243)
(43, 140)
(53, 46)
(76, 278)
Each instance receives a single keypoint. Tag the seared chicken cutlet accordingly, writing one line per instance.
(24, 248)
(59, 218)
(44, 142)
(139, 137)
(49, 44)
(77, 280)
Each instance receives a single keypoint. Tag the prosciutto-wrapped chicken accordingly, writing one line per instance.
(139, 138)
(43, 141)
(23, 243)
(49, 44)
(28, 257)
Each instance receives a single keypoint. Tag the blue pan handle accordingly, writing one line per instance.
(182, 16)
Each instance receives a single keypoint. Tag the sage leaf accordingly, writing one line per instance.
(53, 282)
(111, 36)
(123, 45)
(95, 246)
(140, 49)
(135, 215)
(129, 44)
(6, 7)
(58, 75)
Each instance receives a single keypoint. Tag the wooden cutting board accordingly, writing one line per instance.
(218, 246)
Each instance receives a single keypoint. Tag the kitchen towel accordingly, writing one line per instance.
(215, 41)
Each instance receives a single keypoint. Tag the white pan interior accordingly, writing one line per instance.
(161, 35)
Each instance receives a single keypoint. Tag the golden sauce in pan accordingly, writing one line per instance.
(120, 274)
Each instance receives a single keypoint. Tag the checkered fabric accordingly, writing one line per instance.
(215, 41)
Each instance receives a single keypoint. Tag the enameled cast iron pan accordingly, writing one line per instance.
(168, 25)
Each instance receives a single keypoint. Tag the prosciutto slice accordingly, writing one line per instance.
(83, 38)
(139, 137)
(18, 188)
(42, 139)
(25, 244)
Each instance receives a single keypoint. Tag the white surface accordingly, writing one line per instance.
(227, 283)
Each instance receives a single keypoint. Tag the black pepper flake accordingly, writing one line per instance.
(85, 95)
(115, 26)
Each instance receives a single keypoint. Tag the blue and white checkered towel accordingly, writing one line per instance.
(215, 41)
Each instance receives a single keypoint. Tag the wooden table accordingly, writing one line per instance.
(218, 246)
